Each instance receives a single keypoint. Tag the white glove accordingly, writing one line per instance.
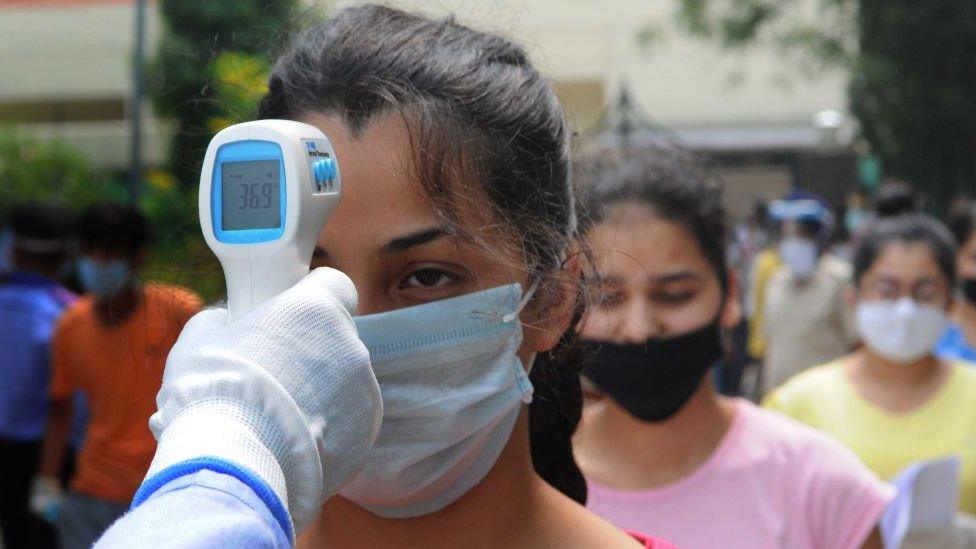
(46, 498)
(286, 391)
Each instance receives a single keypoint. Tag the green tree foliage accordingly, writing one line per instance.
(42, 170)
(33, 169)
(210, 69)
(911, 67)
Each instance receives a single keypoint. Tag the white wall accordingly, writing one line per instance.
(68, 51)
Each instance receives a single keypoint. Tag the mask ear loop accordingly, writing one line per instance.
(521, 304)
(522, 374)
(531, 291)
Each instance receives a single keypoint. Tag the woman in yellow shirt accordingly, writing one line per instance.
(893, 401)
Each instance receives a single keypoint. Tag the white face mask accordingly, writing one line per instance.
(799, 255)
(901, 331)
(452, 389)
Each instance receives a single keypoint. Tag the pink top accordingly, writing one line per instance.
(771, 483)
(651, 543)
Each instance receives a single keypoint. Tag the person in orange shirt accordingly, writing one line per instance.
(111, 345)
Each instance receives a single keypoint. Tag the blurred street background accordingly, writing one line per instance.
(773, 92)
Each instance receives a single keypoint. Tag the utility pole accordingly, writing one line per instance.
(135, 138)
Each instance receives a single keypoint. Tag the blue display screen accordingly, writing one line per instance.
(251, 195)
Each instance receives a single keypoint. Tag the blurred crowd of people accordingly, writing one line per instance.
(84, 345)
(761, 375)
(860, 326)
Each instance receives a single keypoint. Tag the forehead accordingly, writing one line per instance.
(382, 193)
(634, 242)
(905, 260)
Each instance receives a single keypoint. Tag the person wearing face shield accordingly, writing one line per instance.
(893, 401)
(661, 450)
(806, 318)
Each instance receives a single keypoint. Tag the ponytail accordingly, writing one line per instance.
(555, 412)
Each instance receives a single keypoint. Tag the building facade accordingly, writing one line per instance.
(65, 72)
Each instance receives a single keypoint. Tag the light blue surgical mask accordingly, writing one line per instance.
(452, 389)
(104, 279)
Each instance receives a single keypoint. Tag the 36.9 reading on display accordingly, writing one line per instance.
(250, 195)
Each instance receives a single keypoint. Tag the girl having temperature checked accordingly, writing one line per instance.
(457, 227)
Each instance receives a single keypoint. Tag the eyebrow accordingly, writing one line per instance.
(675, 277)
(418, 238)
(885, 279)
(401, 243)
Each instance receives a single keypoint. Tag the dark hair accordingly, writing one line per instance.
(910, 228)
(962, 223)
(113, 227)
(673, 183)
(477, 112)
(895, 198)
(41, 232)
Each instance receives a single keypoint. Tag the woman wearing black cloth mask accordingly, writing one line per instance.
(959, 340)
(660, 448)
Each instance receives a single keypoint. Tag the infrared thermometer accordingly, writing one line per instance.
(266, 190)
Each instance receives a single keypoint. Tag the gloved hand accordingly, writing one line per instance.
(286, 391)
(46, 498)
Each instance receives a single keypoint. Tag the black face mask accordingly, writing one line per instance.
(968, 287)
(653, 380)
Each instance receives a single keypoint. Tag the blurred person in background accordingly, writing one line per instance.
(895, 198)
(856, 215)
(661, 451)
(893, 401)
(31, 301)
(853, 218)
(807, 320)
(749, 239)
(112, 345)
(764, 265)
(959, 340)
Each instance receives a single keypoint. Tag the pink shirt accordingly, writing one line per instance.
(771, 483)
(651, 543)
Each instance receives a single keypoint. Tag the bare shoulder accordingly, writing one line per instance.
(569, 525)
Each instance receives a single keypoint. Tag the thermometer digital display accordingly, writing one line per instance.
(266, 190)
(251, 193)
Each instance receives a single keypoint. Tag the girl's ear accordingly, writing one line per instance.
(732, 310)
(546, 324)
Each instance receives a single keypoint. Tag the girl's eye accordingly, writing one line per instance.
(428, 278)
(673, 298)
(887, 291)
(928, 294)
